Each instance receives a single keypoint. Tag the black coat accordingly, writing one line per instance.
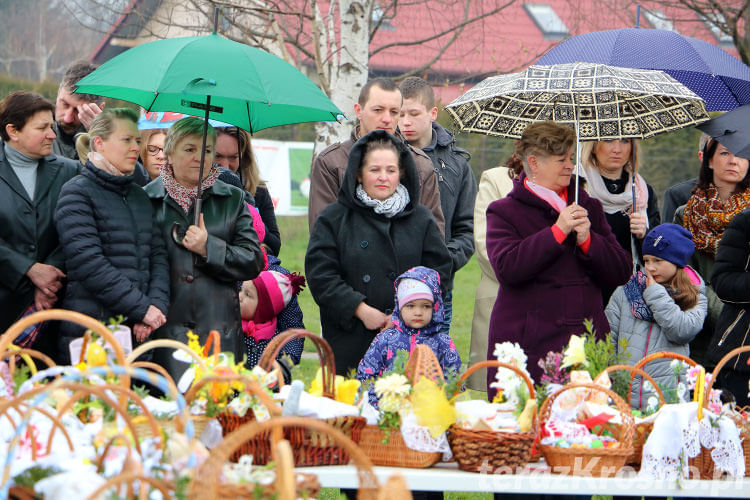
(27, 231)
(731, 282)
(354, 255)
(204, 293)
(114, 252)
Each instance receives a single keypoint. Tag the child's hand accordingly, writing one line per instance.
(372, 318)
(649, 279)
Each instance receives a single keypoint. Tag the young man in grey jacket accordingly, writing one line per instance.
(458, 187)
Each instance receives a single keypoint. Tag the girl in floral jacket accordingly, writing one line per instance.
(417, 319)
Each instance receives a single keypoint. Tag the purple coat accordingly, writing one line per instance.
(547, 289)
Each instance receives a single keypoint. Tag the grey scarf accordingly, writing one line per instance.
(394, 205)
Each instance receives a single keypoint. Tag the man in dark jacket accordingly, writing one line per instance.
(458, 187)
(73, 112)
(378, 108)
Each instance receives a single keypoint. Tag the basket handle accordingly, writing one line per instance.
(633, 373)
(325, 356)
(210, 470)
(82, 390)
(250, 385)
(26, 354)
(167, 343)
(499, 364)
(212, 340)
(74, 317)
(723, 361)
(103, 455)
(628, 423)
(664, 355)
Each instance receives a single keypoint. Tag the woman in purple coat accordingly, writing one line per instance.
(552, 256)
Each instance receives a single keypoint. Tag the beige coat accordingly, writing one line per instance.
(493, 185)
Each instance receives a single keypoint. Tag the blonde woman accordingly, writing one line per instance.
(114, 253)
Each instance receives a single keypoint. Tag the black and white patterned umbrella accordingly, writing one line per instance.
(601, 102)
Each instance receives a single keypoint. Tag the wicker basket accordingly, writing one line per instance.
(311, 448)
(476, 450)
(389, 448)
(7, 338)
(210, 488)
(642, 429)
(703, 462)
(597, 462)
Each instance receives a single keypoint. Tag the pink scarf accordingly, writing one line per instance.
(259, 331)
(551, 197)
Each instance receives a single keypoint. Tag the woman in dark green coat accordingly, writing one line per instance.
(209, 259)
(31, 263)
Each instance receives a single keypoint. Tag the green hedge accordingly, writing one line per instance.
(9, 84)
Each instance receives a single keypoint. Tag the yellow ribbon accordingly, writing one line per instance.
(698, 395)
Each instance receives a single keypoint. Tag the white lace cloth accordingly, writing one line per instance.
(419, 438)
(677, 436)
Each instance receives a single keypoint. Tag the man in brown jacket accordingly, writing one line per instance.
(379, 107)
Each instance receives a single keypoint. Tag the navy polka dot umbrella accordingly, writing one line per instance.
(721, 79)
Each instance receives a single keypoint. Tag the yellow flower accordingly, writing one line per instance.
(575, 354)
(194, 344)
(346, 390)
(431, 407)
(316, 386)
(394, 384)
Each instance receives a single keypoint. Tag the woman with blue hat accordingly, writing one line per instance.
(661, 309)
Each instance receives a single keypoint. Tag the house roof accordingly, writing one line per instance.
(506, 41)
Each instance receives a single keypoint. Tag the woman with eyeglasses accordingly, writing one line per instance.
(152, 150)
(241, 160)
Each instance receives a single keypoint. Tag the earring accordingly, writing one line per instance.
(533, 177)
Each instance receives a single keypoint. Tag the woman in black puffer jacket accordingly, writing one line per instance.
(114, 252)
(731, 282)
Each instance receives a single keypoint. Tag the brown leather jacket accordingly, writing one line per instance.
(328, 171)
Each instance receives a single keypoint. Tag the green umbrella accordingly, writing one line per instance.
(211, 75)
(249, 87)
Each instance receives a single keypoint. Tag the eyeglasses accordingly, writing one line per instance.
(154, 150)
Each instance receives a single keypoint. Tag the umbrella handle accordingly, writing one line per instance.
(176, 233)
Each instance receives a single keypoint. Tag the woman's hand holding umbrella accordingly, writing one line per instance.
(638, 225)
(195, 239)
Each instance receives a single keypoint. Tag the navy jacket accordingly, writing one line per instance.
(114, 252)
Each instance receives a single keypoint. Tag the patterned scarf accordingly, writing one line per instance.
(179, 193)
(634, 293)
(707, 216)
(389, 207)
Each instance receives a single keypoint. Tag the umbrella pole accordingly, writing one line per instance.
(633, 173)
(577, 170)
(197, 215)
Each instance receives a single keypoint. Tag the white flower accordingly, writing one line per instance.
(510, 353)
(652, 403)
(394, 384)
(647, 386)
